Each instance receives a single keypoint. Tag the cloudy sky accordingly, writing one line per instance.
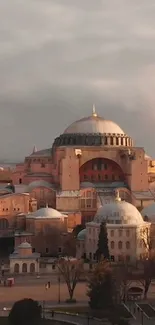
(58, 57)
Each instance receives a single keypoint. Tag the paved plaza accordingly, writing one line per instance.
(35, 288)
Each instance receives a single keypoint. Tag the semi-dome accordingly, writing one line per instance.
(46, 213)
(94, 124)
(82, 234)
(39, 183)
(149, 212)
(118, 212)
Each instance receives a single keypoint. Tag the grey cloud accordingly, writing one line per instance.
(58, 57)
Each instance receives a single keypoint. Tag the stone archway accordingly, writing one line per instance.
(32, 268)
(24, 268)
(16, 268)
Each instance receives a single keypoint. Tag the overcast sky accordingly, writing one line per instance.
(58, 57)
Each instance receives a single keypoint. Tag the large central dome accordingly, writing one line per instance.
(94, 124)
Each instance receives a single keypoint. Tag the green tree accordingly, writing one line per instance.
(25, 312)
(103, 250)
(101, 288)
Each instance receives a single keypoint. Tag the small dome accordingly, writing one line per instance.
(25, 244)
(47, 213)
(119, 212)
(82, 234)
(94, 124)
(149, 212)
(87, 185)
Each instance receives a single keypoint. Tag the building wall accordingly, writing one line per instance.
(132, 164)
(125, 242)
(44, 196)
(20, 262)
(13, 204)
(74, 219)
(69, 177)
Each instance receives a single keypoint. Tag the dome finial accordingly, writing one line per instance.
(94, 111)
(117, 197)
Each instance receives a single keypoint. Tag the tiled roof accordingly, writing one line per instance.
(68, 193)
(147, 195)
(41, 153)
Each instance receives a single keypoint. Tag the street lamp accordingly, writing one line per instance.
(59, 288)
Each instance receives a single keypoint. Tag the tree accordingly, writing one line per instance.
(122, 275)
(25, 312)
(103, 250)
(70, 269)
(101, 288)
(148, 260)
(77, 229)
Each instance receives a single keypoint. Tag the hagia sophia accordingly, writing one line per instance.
(93, 172)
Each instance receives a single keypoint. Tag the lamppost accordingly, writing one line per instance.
(43, 309)
(59, 288)
(142, 317)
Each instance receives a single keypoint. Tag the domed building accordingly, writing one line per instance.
(126, 232)
(45, 229)
(90, 160)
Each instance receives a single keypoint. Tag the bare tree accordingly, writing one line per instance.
(148, 260)
(70, 269)
(122, 274)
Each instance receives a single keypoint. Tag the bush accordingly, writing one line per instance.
(25, 312)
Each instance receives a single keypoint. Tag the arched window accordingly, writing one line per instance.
(127, 245)
(112, 244)
(24, 268)
(127, 232)
(16, 268)
(4, 224)
(32, 268)
(120, 245)
(112, 233)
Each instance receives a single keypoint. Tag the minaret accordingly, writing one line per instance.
(34, 149)
(94, 114)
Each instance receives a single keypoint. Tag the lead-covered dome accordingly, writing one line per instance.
(94, 124)
(46, 213)
(93, 131)
(119, 212)
(82, 234)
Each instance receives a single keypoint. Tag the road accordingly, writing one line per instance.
(76, 319)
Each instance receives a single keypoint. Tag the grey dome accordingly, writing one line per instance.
(119, 212)
(46, 213)
(94, 124)
(82, 234)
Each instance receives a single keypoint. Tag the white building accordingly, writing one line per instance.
(126, 230)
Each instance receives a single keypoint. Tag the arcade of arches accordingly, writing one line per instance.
(101, 170)
(25, 268)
